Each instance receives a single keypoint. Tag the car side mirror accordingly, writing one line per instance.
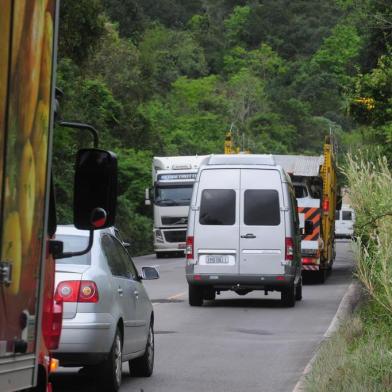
(309, 227)
(149, 273)
(95, 189)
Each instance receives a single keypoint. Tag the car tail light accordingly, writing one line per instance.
(88, 292)
(289, 253)
(189, 247)
(77, 291)
(326, 205)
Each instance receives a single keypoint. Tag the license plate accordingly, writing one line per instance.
(217, 259)
(182, 246)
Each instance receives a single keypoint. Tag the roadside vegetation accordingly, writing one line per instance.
(359, 356)
(171, 76)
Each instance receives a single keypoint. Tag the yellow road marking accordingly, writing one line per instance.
(177, 295)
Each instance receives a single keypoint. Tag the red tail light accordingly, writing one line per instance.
(189, 247)
(51, 325)
(289, 253)
(326, 205)
(77, 291)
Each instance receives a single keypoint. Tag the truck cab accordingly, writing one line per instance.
(173, 179)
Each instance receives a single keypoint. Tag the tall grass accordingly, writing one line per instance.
(370, 185)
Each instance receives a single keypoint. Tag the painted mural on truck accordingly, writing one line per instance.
(26, 45)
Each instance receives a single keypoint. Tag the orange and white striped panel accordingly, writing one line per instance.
(313, 214)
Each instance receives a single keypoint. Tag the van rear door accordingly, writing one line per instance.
(216, 233)
(262, 225)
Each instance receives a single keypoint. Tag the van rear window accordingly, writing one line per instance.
(261, 207)
(217, 207)
(337, 215)
(347, 215)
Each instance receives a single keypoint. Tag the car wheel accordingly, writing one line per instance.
(209, 294)
(195, 295)
(287, 296)
(144, 366)
(111, 368)
(298, 291)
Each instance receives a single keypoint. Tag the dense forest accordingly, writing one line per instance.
(171, 77)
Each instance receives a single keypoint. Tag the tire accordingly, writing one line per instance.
(111, 369)
(321, 276)
(287, 296)
(195, 295)
(144, 366)
(209, 294)
(298, 290)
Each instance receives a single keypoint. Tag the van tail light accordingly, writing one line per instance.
(189, 247)
(77, 291)
(51, 325)
(326, 205)
(289, 253)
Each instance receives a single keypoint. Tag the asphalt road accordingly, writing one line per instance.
(236, 343)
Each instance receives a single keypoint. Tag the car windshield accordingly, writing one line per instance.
(173, 195)
(74, 243)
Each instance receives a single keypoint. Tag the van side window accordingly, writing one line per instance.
(347, 215)
(337, 214)
(217, 207)
(261, 207)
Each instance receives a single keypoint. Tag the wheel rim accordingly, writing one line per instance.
(150, 347)
(118, 359)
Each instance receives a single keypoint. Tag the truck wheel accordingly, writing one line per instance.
(144, 366)
(321, 276)
(195, 295)
(298, 290)
(287, 296)
(111, 368)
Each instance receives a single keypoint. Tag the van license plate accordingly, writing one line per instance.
(217, 259)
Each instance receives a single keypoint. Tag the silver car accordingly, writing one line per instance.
(108, 317)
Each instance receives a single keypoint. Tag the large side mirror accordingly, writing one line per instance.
(309, 227)
(95, 189)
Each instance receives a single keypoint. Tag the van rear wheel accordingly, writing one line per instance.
(195, 295)
(287, 296)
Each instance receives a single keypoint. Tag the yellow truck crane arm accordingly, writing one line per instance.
(329, 200)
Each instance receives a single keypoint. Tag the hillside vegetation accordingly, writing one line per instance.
(171, 76)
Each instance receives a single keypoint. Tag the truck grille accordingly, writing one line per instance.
(175, 236)
(174, 220)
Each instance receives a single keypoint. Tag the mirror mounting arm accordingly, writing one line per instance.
(64, 255)
(77, 125)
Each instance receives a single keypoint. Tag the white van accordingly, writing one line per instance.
(344, 222)
(243, 230)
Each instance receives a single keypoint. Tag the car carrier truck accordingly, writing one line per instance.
(173, 179)
(318, 196)
(30, 319)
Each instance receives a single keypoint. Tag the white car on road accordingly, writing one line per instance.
(108, 317)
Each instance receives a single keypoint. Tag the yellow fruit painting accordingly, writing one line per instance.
(26, 195)
(12, 250)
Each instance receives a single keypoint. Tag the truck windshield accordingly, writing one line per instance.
(74, 243)
(173, 195)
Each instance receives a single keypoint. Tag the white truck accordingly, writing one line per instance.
(173, 179)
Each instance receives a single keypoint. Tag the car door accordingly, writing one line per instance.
(262, 225)
(216, 222)
(123, 291)
(135, 294)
